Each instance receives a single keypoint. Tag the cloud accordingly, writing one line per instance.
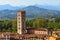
(30, 2)
(53, 2)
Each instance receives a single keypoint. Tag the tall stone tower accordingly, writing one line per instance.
(21, 23)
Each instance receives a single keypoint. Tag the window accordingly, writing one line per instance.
(19, 21)
(6, 37)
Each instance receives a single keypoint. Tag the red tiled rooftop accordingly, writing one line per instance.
(1, 35)
(8, 33)
(58, 30)
(40, 29)
(34, 35)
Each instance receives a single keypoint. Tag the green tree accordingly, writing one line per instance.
(40, 22)
(53, 25)
(14, 25)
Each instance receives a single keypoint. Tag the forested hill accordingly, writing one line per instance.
(31, 12)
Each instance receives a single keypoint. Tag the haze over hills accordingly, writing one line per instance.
(35, 12)
(7, 11)
(9, 7)
(49, 7)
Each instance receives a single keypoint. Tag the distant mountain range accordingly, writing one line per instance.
(49, 7)
(31, 12)
(9, 7)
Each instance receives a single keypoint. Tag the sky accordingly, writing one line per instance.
(30, 2)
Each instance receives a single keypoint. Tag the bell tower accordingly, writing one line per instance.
(21, 22)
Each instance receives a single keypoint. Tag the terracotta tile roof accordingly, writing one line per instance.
(57, 31)
(29, 35)
(17, 36)
(1, 35)
(39, 29)
(58, 37)
(8, 33)
(34, 35)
